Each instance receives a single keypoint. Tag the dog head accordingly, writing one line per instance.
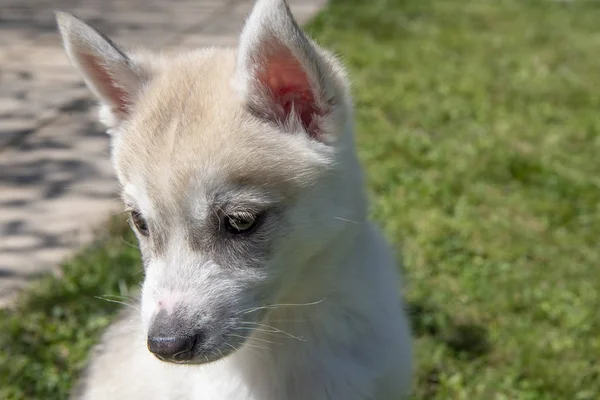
(238, 168)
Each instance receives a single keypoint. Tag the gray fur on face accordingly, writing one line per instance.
(216, 275)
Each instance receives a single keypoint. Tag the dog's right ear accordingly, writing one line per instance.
(111, 75)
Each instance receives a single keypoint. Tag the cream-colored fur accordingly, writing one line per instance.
(303, 304)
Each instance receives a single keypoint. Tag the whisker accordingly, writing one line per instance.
(251, 346)
(133, 246)
(246, 344)
(246, 341)
(347, 220)
(265, 332)
(253, 329)
(118, 302)
(132, 300)
(274, 330)
(263, 340)
(272, 306)
(220, 352)
(230, 345)
(116, 296)
(277, 320)
(254, 351)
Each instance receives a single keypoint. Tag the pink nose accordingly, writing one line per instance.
(168, 301)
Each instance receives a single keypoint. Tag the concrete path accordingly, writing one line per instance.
(56, 182)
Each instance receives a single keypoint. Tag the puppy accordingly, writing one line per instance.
(264, 280)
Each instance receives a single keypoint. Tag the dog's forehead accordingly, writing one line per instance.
(191, 135)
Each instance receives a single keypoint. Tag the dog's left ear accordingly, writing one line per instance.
(282, 75)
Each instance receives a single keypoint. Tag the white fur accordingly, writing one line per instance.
(306, 307)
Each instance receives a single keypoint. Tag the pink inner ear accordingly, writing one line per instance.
(106, 84)
(290, 89)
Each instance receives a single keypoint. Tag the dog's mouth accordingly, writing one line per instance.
(174, 341)
(198, 352)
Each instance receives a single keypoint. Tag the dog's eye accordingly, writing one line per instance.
(139, 223)
(240, 223)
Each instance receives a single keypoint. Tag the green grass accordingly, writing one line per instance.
(479, 124)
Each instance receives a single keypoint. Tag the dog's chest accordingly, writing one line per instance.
(227, 380)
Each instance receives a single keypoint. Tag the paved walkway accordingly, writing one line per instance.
(56, 182)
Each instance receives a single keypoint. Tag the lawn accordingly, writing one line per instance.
(478, 122)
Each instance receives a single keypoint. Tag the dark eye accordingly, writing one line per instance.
(240, 223)
(139, 223)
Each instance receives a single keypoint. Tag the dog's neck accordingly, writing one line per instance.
(327, 280)
(330, 320)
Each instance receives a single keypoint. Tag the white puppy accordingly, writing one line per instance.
(263, 278)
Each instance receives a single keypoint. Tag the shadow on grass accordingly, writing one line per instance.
(465, 340)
